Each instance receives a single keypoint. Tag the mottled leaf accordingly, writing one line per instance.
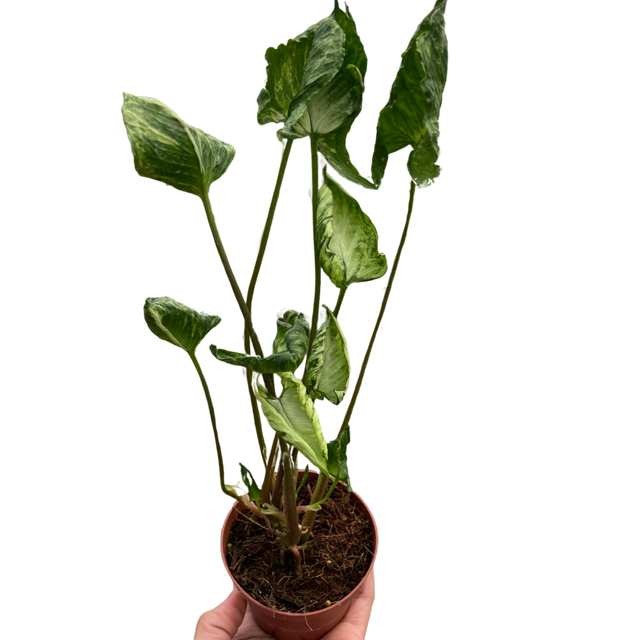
(167, 149)
(348, 241)
(315, 82)
(328, 368)
(290, 349)
(411, 117)
(177, 323)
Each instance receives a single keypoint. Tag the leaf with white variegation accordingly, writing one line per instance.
(167, 149)
(328, 367)
(293, 417)
(290, 347)
(176, 323)
(411, 115)
(347, 239)
(315, 81)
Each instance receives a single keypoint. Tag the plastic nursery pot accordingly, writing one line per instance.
(297, 626)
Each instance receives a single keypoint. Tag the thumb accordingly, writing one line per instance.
(222, 622)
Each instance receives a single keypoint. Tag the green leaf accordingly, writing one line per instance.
(315, 81)
(337, 451)
(293, 417)
(169, 150)
(328, 368)
(176, 323)
(285, 70)
(250, 483)
(333, 145)
(348, 241)
(334, 104)
(321, 66)
(290, 348)
(411, 115)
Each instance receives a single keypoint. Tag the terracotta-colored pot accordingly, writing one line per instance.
(297, 626)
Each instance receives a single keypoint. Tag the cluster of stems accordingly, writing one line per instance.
(278, 496)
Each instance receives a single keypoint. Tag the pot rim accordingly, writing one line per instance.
(286, 614)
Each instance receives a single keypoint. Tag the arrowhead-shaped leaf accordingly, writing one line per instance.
(348, 241)
(411, 115)
(293, 417)
(328, 368)
(290, 347)
(315, 81)
(169, 150)
(176, 323)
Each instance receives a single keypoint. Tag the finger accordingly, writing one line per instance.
(222, 622)
(354, 624)
(249, 628)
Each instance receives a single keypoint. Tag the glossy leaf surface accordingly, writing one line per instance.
(328, 368)
(176, 323)
(348, 241)
(411, 115)
(293, 417)
(167, 149)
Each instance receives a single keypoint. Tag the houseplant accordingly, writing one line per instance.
(314, 89)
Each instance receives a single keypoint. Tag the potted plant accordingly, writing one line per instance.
(314, 89)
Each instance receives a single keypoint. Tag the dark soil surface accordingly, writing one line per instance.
(337, 557)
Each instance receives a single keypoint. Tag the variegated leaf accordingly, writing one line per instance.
(348, 241)
(290, 348)
(315, 81)
(293, 417)
(176, 323)
(328, 367)
(411, 115)
(167, 149)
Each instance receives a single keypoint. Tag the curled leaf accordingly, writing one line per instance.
(176, 323)
(167, 149)
(290, 347)
(411, 115)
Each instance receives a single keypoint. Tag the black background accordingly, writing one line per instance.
(171, 508)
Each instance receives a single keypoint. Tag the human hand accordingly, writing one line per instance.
(233, 620)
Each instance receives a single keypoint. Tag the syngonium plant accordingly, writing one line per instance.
(314, 89)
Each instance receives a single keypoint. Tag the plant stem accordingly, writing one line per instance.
(292, 537)
(256, 418)
(310, 516)
(316, 257)
(383, 307)
(334, 484)
(343, 290)
(252, 287)
(265, 493)
(266, 232)
(214, 426)
(236, 289)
